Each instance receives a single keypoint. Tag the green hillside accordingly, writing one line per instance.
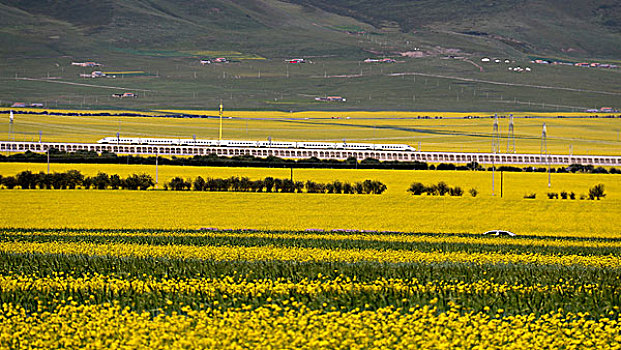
(571, 28)
(438, 46)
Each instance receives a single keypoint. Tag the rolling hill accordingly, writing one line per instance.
(585, 29)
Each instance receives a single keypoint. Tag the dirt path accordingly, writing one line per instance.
(80, 84)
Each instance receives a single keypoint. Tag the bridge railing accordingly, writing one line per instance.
(295, 153)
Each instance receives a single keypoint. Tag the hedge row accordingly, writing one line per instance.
(269, 184)
(74, 179)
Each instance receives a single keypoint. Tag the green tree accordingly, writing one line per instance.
(269, 184)
(74, 179)
(9, 182)
(199, 184)
(176, 184)
(116, 182)
(142, 182)
(101, 181)
(27, 180)
(338, 186)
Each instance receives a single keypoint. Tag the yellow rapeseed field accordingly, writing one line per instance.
(296, 327)
(395, 210)
(565, 135)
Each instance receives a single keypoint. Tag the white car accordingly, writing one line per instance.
(499, 233)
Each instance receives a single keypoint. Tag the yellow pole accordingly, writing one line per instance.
(220, 135)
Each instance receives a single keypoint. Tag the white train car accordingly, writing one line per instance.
(276, 144)
(260, 144)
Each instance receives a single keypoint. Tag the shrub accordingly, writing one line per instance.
(338, 186)
(268, 183)
(177, 184)
(563, 195)
(26, 179)
(142, 182)
(552, 195)
(456, 191)
(199, 184)
(572, 196)
(442, 188)
(299, 186)
(417, 188)
(446, 166)
(530, 196)
(9, 182)
(312, 187)
(330, 188)
(116, 182)
(358, 188)
(348, 188)
(101, 181)
(288, 186)
(473, 192)
(432, 190)
(597, 191)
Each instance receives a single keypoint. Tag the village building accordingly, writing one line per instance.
(330, 99)
(124, 94)
(86, 64)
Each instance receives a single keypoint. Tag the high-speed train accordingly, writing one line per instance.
(260, 144)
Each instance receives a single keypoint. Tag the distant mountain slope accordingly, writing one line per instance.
(259, 26)
(573, 28)
(411, 15)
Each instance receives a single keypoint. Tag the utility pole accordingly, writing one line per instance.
(544, 151)
(157, 153)
(511, 136)
(11, 125)
(220, 133)
(501, 183)
(48, 160)
(495, 149)
(496, 136)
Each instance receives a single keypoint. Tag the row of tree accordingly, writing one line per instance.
(74, 179)
(439, 189)
(270, 184)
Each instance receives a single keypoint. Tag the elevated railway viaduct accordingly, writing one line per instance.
(294, 153)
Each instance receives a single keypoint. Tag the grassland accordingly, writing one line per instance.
(453, 133)
(395, 210)
(416, 84)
